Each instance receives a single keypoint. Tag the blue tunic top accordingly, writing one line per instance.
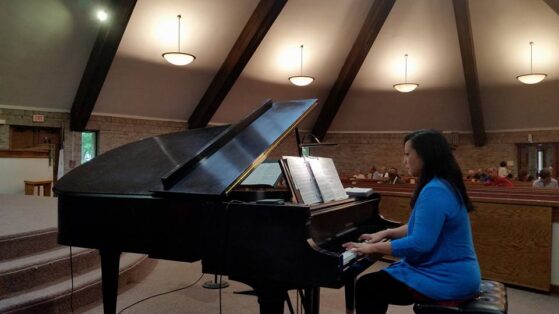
(437, 256)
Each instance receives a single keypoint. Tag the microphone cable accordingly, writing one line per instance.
(160, 294)
(71, 282)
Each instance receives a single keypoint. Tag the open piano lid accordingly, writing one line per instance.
(195, 163)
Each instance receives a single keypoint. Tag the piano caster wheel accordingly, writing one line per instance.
(215, 284)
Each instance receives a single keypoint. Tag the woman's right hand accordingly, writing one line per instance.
(372, 237)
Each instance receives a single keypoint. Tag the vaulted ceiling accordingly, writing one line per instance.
(46, 45)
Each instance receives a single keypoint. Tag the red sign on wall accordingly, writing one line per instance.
(38, 118)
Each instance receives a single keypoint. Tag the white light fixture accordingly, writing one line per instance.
(102, 15)
(532, 78)
(301, 80)
(178, 57)
(405, 87)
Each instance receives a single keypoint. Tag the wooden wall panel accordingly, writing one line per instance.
(512, 241)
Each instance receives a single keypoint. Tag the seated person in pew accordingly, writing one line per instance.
(359, 174)
(496, 180)
(375, 174)
(503, 171)
(523, 176)
(394, 177)
(384, 172)
(481, 176)
(437, 257)
(545, 181)
(471, 176)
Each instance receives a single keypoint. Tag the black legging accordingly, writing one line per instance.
(374, 291)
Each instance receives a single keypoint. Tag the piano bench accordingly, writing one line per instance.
(492, 299)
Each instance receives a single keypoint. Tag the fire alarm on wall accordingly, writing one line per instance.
(38, 118)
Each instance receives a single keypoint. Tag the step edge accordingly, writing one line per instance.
(22, 235)
(135, 260)
(41, 261)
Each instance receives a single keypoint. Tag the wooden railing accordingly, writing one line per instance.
(24, 153)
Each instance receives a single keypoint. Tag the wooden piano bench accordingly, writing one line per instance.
(492, 299)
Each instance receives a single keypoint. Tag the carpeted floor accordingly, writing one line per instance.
(170, 275)
(38, 213)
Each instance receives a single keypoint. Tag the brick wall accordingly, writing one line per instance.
(113, 131)
(359, 151)
(24, 117)
(355, 151)
(117, 131)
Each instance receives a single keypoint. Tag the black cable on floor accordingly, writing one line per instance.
(297, 294)
(71, 283)
(220, 294)
(160, 294)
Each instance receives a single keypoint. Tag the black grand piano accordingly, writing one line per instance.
(175, 197)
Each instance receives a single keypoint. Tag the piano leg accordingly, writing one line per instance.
(349, 288)
(109, 271)
(311, 300)
(271, 300)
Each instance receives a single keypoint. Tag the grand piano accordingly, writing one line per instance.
(176, 197)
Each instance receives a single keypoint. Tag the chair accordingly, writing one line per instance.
(492, 299)
(30, 187)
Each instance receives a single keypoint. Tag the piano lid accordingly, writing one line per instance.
(201, 162)
(227, 160)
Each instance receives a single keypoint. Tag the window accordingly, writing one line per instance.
(534, 157)
(89, 146)
(539, 163)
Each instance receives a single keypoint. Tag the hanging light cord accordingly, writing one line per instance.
(301, 60)
(406, 69)
(179, 41)
(531, 44)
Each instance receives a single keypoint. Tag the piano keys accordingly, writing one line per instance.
(176, 197)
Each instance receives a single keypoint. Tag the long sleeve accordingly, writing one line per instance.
(430, 213)
(438, 258)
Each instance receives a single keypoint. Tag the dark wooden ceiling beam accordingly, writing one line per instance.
(467, 50)
(254, 31)
(554, 4)
(371, 27)
(99, 63)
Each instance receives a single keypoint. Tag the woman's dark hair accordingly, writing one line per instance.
(438, 161)
(503, 164)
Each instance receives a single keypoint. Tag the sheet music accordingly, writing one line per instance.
(303, 180)
(327, 178)
(266, 173)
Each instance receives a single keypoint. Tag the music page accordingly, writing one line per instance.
(327, 178)
(303, 180)
(266, 173)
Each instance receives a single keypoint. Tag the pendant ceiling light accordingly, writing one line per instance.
(301, 80)
(178, 57)
(405, 87)
(531, 78)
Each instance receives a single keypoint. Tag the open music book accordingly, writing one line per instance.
(313, 179)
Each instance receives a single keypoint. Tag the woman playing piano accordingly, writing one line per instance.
(437, 257)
